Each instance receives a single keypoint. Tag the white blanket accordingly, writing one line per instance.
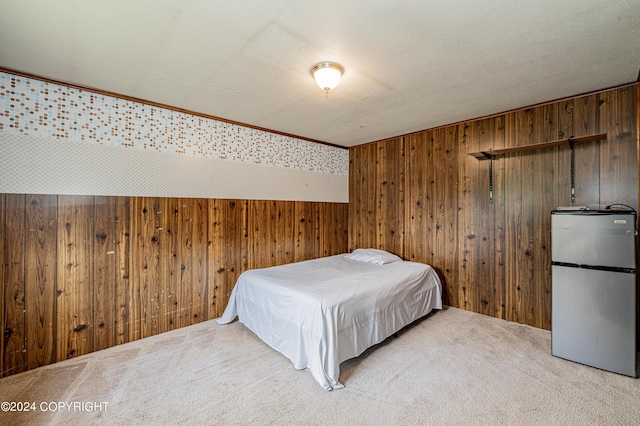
(321, 312)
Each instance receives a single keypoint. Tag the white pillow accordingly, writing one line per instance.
(379, 257)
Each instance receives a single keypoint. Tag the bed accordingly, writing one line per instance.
(321, 312)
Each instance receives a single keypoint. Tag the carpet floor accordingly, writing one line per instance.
(452, 367)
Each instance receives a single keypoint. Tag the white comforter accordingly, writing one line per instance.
(321, 312)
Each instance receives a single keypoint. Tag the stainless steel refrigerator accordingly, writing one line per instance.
(593, 315)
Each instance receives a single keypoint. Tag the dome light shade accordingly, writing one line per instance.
(327, 75)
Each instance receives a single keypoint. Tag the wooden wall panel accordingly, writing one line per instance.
(512, 212)
(100, 271)
(638, 254)
(618, 154)
(74, 284)
(193, 268)
(123, 290)
(199, 260)
(469, 174)
(3, 323)
(480, 240)
(389, 207)
(40, 278)
(363, 189)
(416, 154)
(436, 193)
(261, 238)
(14, 336)
(334, 229)
(494, 257)
(137, 267)
(169, 255)
(563, 160)
(104, 296)
(146, 223)
(449, 212)
(228, 250)
(545, 198)
(587, 156)
(305, 231)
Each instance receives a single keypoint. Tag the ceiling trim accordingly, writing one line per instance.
(567, 98)
(160, 105)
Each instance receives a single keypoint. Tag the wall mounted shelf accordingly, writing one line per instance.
(490, 154)
(493, 153)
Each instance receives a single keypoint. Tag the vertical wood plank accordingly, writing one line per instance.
(144, 303)
(270, 229)
(313, 230)
(389, 207)
(618, 165)
(354, 205)
(123, 290)
(3, 261)
(482, 132)
(186, 285)
(491, 299)
(285, 238)
(498, 223)
(151, 291)
(229, 250)
(14, 355)
(199, 258)
(437, 197)
(587, 155)
(449, 264)
(637, 200)
(526, 225)
(563, 177)
(260, 216)
(75, 290)
(218, 263)
(138, 266)
(415, 221)
(478, 196)
(544, 195)
(104, 296)
(334, 228)
(40, 278)
(513, 210)
(366, 196)
(307, 231)
(169, 263)
(466, 169)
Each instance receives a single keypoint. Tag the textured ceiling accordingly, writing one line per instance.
(409, 65)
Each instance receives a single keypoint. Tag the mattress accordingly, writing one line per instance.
(321, 312)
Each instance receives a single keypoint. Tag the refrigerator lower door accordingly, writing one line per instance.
(593, 318)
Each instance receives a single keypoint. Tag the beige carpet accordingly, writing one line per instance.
(454, 367)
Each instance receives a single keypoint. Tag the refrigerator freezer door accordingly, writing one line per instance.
(594, 239)
(593, 318)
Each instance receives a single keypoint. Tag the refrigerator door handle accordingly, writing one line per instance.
(596, 267)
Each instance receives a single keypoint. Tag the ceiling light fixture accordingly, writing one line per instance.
(327, 75)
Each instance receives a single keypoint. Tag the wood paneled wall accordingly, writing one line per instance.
(424, 198)
(83, 273)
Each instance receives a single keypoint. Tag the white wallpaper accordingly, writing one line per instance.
(43, 123)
